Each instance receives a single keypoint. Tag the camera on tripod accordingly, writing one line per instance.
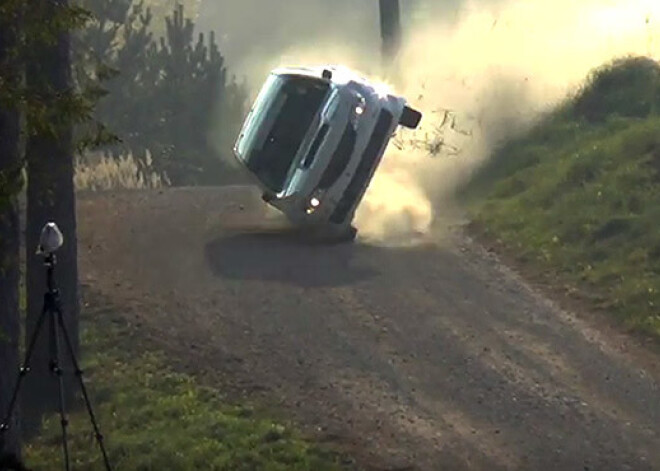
(50, 240)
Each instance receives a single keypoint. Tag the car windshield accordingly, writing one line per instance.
(282, 115)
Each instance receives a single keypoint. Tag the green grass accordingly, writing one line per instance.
(155, 419)
(579, 196)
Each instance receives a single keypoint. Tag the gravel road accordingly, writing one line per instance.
(428, 357)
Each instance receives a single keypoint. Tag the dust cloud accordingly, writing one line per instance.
(480, 71)
(488, 76)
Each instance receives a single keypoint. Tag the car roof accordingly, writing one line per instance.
(340, 75)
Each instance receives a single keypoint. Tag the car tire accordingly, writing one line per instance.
(349, 235)
(410, 118)
(336, 235)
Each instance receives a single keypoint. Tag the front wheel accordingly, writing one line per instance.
(410, 118)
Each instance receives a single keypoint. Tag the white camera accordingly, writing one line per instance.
(51, 239)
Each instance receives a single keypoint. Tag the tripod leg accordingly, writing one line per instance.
(24, 370)
(83, 388)
(57, 370)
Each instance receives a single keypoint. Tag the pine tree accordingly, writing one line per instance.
(164, 97)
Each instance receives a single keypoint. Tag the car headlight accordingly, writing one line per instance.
(313, 203)
(358, 110)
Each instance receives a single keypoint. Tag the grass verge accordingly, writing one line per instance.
(579, 196)
(156, 419)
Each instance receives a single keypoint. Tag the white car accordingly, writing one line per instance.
(313, 140)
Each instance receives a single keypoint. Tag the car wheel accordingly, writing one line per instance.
(352, 233)
(336, 235)
(347, 235)
(410, 118)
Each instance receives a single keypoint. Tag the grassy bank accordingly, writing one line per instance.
(579, 195)
(155, 419)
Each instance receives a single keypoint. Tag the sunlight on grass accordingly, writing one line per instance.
(155, 419)
(580, 194)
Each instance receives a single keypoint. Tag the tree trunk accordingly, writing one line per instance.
(51, 197)
(10, 164)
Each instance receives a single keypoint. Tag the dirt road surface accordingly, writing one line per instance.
(429, 357)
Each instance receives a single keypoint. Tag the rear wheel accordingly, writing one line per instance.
(410, 118)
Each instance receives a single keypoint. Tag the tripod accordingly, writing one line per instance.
(53, 311)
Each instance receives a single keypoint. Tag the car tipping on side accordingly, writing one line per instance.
(313, 141)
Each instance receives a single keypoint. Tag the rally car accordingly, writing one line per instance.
(313, 140)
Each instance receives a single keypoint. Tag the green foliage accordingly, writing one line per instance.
(135, 96)
(161, 9)
(161, 97)
(154, 419)
(37, 25)
(580, 194)
(626, 87)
